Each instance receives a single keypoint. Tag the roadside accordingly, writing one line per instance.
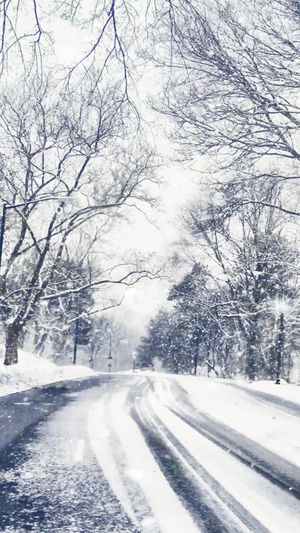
(34, 371)
(264, 421)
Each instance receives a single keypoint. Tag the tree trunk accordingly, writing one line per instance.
(251, 360)
(176, 366)
(11, 344)
(40, 345)
(92, 361)
(196, 354)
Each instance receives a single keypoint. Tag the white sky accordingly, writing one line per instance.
(158, 239)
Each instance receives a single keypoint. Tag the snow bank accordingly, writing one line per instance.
(284, 390)
(266, 424)
(34, 371)
(76, 371)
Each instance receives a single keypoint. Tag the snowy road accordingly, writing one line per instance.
(139, 454)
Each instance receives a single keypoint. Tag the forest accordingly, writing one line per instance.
(80, 83)
(233, 100)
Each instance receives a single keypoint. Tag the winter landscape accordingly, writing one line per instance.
(149, 266)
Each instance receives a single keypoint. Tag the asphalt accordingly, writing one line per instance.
(42, 489)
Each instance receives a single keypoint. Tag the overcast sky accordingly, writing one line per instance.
(156, 235)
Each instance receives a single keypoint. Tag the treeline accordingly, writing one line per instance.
(233, 99)
(74, 160)
(228, 307)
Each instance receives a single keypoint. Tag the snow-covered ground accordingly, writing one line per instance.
(33, 371)
(284, 390)
(261, 422)
(290, 392)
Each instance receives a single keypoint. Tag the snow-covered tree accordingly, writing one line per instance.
(254, 265)
(166, 340)
(234, 82)
(73, 157)
(196, 309)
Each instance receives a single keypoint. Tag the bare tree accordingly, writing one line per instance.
(233, 85)
(70, 161)
(252, 264)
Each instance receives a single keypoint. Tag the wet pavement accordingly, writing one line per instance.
(50, 480)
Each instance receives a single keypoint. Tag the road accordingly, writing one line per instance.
(124, 453)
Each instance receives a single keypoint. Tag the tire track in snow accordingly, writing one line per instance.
(264, 506)
(141, 512)
(283, 404)
(212, 507)
(276, 469)
(101, 441)
(131, 470)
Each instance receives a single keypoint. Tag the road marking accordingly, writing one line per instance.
(100, 443)
(79, 451)
(168, 511)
